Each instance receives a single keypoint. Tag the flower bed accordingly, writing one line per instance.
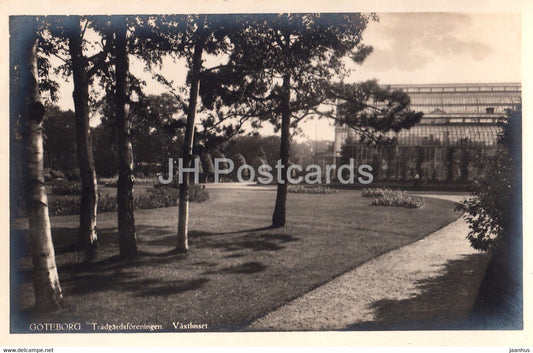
(388, 197)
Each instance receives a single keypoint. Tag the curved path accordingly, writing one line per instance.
(348, 300)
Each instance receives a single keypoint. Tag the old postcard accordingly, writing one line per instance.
(245, 174)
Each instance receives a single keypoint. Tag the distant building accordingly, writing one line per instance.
(459, 122)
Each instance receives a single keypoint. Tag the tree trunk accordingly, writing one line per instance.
(89, 196)
(182, 245)
(45, 278)
(279, 217)
(126, 221)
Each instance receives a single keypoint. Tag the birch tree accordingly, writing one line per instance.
(26, 107)
(81, 77)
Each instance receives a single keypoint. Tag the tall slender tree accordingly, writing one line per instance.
(199, 39)
(126, 220)
(26, 107)
(89, 194)
(192, 37)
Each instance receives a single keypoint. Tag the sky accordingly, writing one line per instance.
(411, 48)
(443, 48)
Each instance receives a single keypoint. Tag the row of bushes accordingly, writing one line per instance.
(388, 197)
(51, 174)
(197, 192)
(319, 189)
(61, 205)
(65, 187)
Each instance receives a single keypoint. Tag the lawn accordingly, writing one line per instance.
(237, 269)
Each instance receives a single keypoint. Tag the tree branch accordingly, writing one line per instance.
(84, 29)
(98, 59)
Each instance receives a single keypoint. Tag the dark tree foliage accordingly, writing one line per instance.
(266, 147)
(59, 139)
(372, 110)
(494, 215)
(157, 130)
(105, 151)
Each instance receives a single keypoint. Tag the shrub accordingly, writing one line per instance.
(373, 192)
(388, 197)
(47, 175)
(69, 204)
(65, 188)
(60, 206)
(197, 192)
(144, 181)
(154, 198)
(73, 174)
(107, 204)
(319, 189)
(139, 175)
(52, 174)
(56, 174)
(157, 198)
(113, 182)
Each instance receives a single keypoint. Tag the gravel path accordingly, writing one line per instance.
(348, 299)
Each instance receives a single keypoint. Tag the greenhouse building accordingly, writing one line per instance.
(460, 123)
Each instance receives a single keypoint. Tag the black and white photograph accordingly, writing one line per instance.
(199, 172)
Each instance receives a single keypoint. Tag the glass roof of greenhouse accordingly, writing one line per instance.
(454, 114)
(488, 100)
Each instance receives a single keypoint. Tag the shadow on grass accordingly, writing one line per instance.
(66, 240)
(116, 262)
(166, 236)
(245, 268)
(253, 242)
(127, 282)
(92, 283)
(234, 256)
(174, 287)
(203, 234)
(445, 302)
(107, 274)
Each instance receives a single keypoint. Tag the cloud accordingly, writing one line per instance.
(410, 41)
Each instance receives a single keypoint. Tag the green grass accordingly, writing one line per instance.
(237, 269)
